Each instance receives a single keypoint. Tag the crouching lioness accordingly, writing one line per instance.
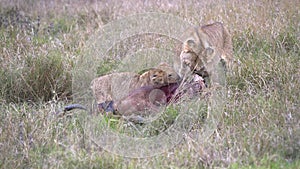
(115, 86)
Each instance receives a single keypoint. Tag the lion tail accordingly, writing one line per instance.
(74, 106)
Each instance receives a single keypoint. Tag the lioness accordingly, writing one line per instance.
(103, 86)
(204, 47)
(113, 87)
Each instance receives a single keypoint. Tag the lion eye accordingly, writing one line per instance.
(154, 75)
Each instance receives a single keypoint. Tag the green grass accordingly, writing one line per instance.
(269, 162)
(41, 43)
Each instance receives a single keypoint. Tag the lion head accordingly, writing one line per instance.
(171, 75)
(195, 57)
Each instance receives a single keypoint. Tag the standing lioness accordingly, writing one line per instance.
(204, 47)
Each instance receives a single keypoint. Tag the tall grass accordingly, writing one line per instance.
(40, 41)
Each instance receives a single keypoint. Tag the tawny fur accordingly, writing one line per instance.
(172, 75)
(204, 47)
(118, 85)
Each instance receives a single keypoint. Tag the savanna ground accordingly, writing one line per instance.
(41, 40)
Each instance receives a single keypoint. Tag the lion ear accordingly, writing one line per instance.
(189, 45)
(209, 52)
(146, 73)
(163, 64)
